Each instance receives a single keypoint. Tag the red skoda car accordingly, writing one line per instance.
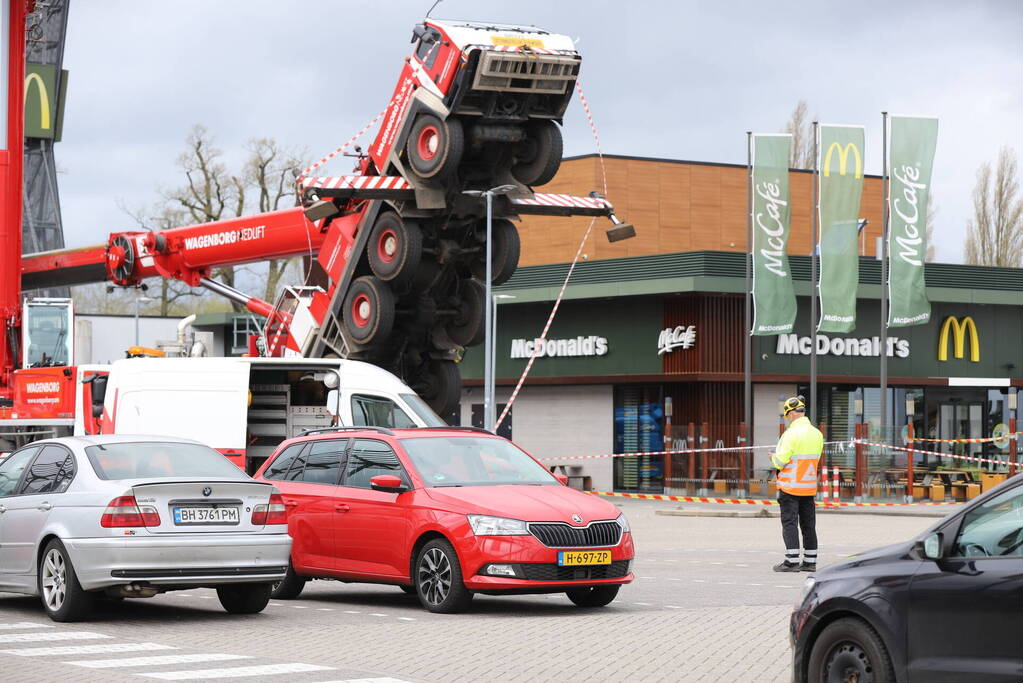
(444, 513)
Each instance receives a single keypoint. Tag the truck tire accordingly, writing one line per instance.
(504, 252)
(395, 249)
(434, 147)
(467, 328)
(539, 155)
(440, 385)
(369, 310)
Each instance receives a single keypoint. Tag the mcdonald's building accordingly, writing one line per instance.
(653, 327)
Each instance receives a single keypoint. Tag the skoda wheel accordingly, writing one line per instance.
(593, 596)
(434, 147)
(539, 155)
(244, 598)
(290, 587)
(504, 252)
(850, 650)
(369, 310)
(439, 579)
(395, 248)
(63, 597)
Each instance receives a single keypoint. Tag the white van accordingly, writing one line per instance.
(243, 407)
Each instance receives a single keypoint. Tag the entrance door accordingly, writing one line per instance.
(961, 421)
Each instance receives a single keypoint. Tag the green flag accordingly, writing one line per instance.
(841, 185)
(913, 141)
(774, 301)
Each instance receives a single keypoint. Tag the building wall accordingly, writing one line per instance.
(557, 421)
(766, 399)
(675, 206)
(106, 338)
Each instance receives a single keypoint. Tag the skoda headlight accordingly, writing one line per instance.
(484, 525)
(623, 523)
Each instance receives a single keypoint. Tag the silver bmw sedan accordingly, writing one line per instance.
(134, 516)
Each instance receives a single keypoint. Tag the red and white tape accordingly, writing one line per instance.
(720, 449)
(986, 461)
(751, 501)
(986, 439)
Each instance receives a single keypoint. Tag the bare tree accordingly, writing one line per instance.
(994, 236)
(801, 130)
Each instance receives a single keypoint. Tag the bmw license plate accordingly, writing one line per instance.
(205, 515)
(575, 558)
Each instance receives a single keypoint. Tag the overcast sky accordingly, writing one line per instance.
(680, 80)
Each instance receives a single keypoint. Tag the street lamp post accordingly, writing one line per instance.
(488, 334)
(492, 350)
(138, 299)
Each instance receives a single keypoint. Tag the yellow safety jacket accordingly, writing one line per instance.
(797, 457)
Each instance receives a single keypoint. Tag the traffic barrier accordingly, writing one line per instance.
(744, 501)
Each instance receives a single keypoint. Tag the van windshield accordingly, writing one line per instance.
(154, 459)
(423, 411)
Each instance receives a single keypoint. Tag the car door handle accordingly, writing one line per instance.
(341, 507)
(291, 503)
(44, 506)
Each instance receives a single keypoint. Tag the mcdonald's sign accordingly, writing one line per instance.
(959, 330)
(44, 103)
(844, 152)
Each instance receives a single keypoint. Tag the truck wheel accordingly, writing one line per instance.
(504, 251)
(395, 248)
(440, 385)
(435, 147)
(467, 328)
(539, 155)
(369, 310)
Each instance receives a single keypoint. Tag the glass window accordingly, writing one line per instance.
(48, 338)
(424, 411)
(367, 459)
(378, 411)
(323, 462)
(297, 467)
(11, 469)
(473, 461)
(279, 467)
(639, 427)
(50, 472)
(151, 459)
(428, 48)
(994, 529)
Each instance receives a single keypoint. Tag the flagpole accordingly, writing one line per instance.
(748, 341)
(885, 189)
(813, 276)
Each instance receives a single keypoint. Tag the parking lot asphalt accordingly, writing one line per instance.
(705, 606)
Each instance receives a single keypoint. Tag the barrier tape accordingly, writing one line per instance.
(986, 439)
(937, 453)
(841, 444)
(568, 275)
(753, 501)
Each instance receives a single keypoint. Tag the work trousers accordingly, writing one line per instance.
(798, 513)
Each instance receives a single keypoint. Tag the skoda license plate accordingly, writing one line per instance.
(575, 558)
(206, 515)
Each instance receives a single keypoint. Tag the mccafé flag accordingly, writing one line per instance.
(841, 185)
(912, 157)
(774, 301)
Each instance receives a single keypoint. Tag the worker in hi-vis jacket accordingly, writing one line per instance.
(797, 460)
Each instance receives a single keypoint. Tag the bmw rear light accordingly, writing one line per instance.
(272, 513)
(125, 511)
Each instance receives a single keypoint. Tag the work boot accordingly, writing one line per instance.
(808, 567)
(786, 567)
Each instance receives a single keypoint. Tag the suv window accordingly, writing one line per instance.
(367, 459)
(323, 462)
(378, 411)
(993, 529)
(11, 469)
(279, 467)
(50, 472)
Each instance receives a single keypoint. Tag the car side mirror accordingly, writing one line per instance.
(563, 478)
(387, 482)
(930, 547)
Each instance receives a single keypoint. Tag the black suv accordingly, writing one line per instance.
(946, 606)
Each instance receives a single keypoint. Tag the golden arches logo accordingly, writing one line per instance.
(44, 98)
(844, 152)
(959, 330)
